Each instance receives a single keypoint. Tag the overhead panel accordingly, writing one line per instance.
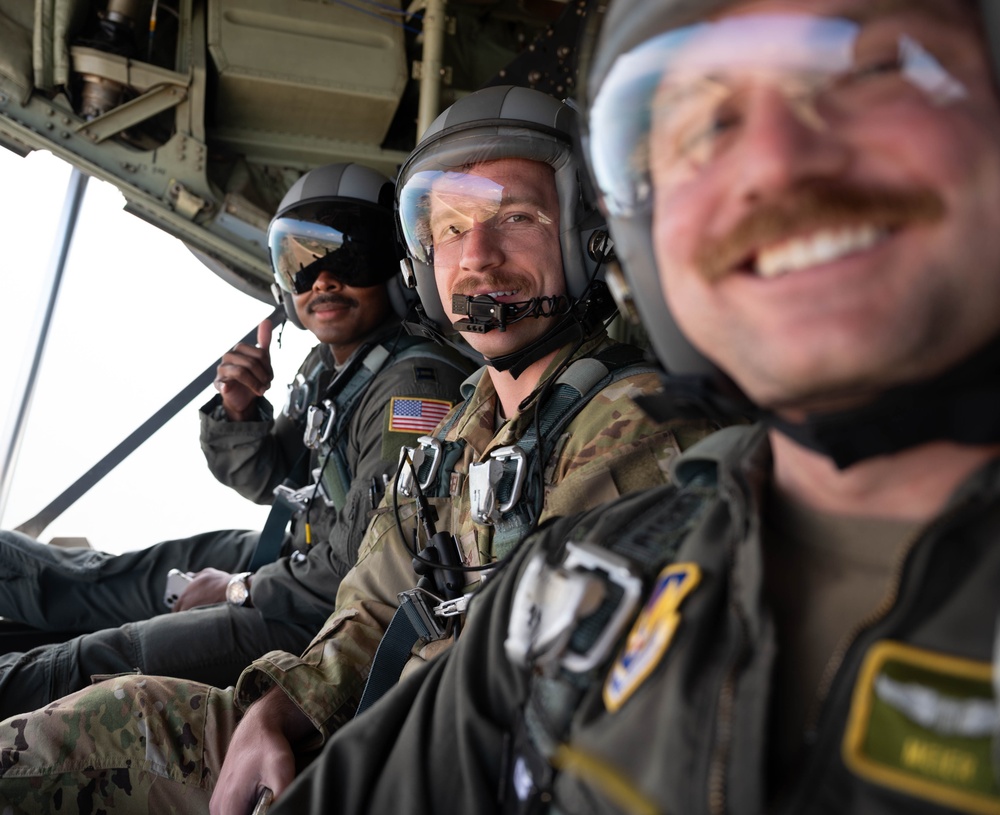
(319, 70)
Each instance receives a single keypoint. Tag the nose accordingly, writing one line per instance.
(785, 141)
(481, 249)
(327, 282)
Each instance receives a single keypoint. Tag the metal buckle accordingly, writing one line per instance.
(297, 398)
(298, 499)
(484, 477)
(429, 446)
(551, 600)
(319, 424)
(416, 605)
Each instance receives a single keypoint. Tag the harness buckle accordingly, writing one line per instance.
(452, 608)
(298, 499)
(416, 604)
(485, 477)
(298, 397)
(429, 449)
(319, 424)
(551, 602)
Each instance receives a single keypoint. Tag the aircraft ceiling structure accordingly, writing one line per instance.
(204, 112)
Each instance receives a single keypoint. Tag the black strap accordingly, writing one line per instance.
(35, 526)
(273, 534)
(391, 655)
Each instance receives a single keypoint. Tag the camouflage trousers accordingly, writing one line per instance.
(130, 744)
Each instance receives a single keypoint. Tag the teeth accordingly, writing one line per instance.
(502, 293)
(821, 247)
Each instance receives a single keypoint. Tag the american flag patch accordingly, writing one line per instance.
(416, 415)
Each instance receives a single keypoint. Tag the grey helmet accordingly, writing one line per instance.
(337, 217)
(961, 404)
(496, 123)
(624, 26)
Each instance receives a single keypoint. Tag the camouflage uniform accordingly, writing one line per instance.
(119, 598)
(610, 448)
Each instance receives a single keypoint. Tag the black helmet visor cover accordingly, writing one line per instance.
(662, 91)
(352, 242)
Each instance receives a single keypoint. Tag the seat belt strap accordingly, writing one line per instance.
(391, 655)
(273, 534)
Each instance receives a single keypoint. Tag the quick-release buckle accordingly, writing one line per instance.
(550, 602)
(298, 397)
(319, 424)
(430, 448)
(485, 477)
(416, 604)
(298, 499)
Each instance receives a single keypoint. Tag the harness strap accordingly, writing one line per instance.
(650, 544)
(571, 392)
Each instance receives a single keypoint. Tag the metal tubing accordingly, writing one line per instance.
(57, 265)
(430, 75)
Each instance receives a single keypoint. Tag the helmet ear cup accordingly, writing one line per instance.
(285, 299)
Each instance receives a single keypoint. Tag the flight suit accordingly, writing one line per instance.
(609, 447)
(119, 598)
(674, 715)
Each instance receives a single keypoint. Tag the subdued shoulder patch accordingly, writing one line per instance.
(652, 633)
(922, 723)
(422, 373)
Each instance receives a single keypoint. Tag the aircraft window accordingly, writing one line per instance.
(138, 317)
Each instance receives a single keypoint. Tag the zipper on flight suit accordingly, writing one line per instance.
(834, 664)
(721, 751)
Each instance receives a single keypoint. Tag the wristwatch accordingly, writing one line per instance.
(238, 590)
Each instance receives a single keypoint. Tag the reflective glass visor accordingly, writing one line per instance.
(438, 209)
(678, 103)
(358, 250)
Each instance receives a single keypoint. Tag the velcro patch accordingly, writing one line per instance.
(411, 415)
(652, 633)
(922, 723)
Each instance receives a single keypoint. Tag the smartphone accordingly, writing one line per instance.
(176, 583)
(263, 802)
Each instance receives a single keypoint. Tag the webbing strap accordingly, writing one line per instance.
(271, 536)
(391, 655)
(650, 543)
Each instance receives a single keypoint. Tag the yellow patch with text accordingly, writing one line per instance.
(652, 633)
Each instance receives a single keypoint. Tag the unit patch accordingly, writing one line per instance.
(408, 415)
(652, 633)
(922, 723)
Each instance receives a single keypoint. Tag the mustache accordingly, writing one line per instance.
(468, 286)
(818, 206)
(335, 299)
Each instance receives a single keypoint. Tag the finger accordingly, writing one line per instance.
(264, 331)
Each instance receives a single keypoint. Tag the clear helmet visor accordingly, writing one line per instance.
(676, 103)
(440, 209)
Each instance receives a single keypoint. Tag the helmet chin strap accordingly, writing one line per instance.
(960, 405)
(577, 319)
(484, 313)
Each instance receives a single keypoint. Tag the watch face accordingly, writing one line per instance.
(236, 592)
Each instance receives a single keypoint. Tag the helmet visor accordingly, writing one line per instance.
(356, 248)
(439, 209)
(675, 104)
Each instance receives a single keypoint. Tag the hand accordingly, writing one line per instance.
(244, 374)
(206, 588)
(260, 754)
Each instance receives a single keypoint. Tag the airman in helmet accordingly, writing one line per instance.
(334, 257)
(501, 252)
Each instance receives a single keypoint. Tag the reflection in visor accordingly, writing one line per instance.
(301, 250)
(677, 102)
(437, 209)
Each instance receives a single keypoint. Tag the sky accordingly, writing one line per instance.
(138, 317)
